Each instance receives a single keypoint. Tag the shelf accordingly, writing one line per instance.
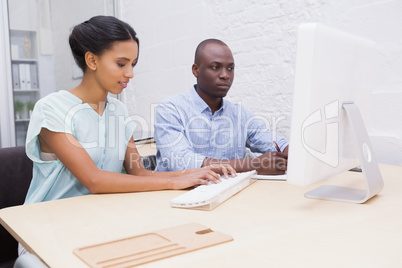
(25, 77)
(24, 60)
(23, 120)
(23, 45)
(26, 90)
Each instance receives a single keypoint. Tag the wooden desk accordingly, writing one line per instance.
(271, 222)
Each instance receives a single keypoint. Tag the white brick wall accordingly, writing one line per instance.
(262, 36)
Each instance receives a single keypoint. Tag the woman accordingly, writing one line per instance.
(79, 140)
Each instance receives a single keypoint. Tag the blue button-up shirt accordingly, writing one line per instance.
(186, 132)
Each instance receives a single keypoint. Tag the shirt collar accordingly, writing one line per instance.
(74, 98)
(201, 105)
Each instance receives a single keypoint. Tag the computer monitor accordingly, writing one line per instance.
(330, 103)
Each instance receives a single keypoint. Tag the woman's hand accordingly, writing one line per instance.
(202, 176)
(222, 169)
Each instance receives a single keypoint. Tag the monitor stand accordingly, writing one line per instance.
(370, 170)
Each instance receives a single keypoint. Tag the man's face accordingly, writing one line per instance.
(214, 71)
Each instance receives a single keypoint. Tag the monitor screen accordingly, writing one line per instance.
(332, 70)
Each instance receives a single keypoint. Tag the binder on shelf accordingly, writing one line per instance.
(16, 76)
(25, 76)
(34, 76)
(27, 67)
(23, 84)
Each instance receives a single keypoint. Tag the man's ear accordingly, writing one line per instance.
(90, 59)
(195, 70)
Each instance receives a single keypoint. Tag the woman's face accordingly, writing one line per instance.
(114, 67)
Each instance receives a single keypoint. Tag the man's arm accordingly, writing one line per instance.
(269, 163)
(259, 139)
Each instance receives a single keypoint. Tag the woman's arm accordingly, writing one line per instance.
(70, 152)
(133, 165)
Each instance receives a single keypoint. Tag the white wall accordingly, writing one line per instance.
(64, 16)
(262, 36)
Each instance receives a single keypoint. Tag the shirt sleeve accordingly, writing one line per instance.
(259, 138)
(44, 116)
(174, 151)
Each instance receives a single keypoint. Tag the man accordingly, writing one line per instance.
(201, 127)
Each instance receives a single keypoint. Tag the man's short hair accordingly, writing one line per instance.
(201, 46)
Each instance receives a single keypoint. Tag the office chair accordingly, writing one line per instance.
(15, 177)
(149, 162)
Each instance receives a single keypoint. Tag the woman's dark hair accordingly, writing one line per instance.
(97, 35)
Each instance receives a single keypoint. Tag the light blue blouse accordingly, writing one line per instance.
(105, 139)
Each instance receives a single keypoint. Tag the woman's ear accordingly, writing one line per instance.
(90, 59)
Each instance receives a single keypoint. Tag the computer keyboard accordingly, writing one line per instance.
(207, 197)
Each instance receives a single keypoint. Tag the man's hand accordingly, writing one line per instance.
(271, 163)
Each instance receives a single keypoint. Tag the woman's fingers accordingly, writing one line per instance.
(224, 169)
(212, 176)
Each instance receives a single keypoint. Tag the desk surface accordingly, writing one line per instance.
(271, 222)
